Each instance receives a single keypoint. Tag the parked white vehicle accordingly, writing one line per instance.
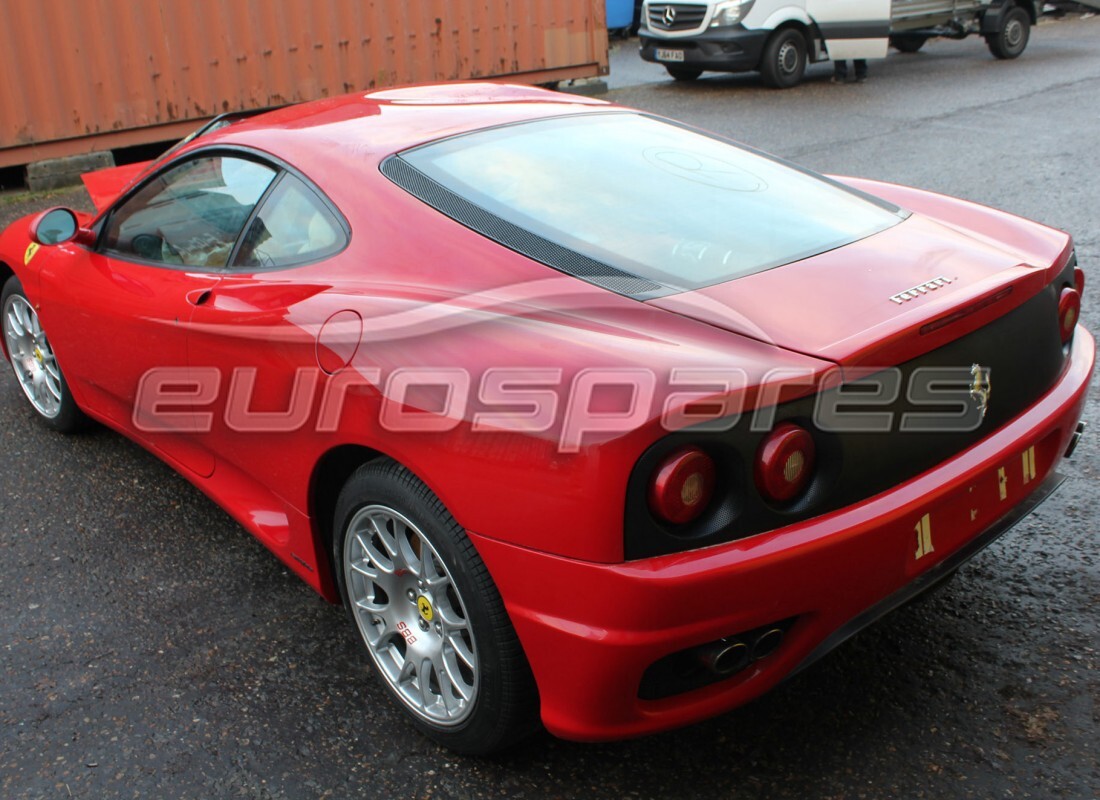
(779, 37)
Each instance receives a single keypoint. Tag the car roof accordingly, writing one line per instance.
(364, 128)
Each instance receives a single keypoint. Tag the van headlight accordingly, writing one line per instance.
(730, 12)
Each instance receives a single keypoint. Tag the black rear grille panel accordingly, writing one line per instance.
(676, 17)
(1024, 353)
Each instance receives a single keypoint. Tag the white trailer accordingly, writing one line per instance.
(780, 37)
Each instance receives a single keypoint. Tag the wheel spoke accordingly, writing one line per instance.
(28, 326)
(364, 568)
(371, 605)
(456, 683)
(461, 649)
(411, 549)
(20, 327)
(447, 687)
(386, 536)
(379, 559)
(359, 540)
(452, 618)
(40, 390)
(52, 386)
(434, 575)
(425, 676)
(389, 558)
(14, 323)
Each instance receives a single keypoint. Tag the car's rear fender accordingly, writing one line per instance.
(330, 473)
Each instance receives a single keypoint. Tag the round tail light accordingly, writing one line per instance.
(1069, 310)
(682, 486)
(785, 463)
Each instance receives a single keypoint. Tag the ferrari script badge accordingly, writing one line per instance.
(920, 289)
(980, 388)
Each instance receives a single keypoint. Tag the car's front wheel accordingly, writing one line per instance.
(34, 363)
(429, 614)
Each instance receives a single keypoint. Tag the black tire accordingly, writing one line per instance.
(784, 60)
(504, 708)
(1012, 37)
(68, 417)
(907, 43)
(683, 73)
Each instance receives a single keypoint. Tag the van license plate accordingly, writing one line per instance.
(670, 55)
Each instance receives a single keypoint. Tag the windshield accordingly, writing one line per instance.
(652, 199)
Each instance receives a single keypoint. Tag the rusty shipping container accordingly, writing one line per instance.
(84, 75)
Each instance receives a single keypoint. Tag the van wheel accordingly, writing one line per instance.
(684, 73)
(1012, 38)
(784, 61)
(907, 44)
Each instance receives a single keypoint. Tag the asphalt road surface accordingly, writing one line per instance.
(150, 648)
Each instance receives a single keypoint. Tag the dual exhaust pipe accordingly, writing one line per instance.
(730, 655)
(1077, 434)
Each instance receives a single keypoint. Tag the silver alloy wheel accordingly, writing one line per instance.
(411, 615)
(31, 357)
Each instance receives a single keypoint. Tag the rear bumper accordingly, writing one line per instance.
(725, 50)
(590, 631)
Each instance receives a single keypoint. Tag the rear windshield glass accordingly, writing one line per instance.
(653, 199)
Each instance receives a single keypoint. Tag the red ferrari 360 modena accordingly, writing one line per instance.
(583, 414)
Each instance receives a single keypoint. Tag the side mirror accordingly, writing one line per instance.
(57, 226)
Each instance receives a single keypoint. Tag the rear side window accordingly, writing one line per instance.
(293, 226)
(190, 215)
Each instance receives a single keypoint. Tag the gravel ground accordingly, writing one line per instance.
(150, 648)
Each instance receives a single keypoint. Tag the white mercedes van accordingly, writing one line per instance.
(780, 37)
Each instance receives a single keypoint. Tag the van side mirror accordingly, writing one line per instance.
(57, 226)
